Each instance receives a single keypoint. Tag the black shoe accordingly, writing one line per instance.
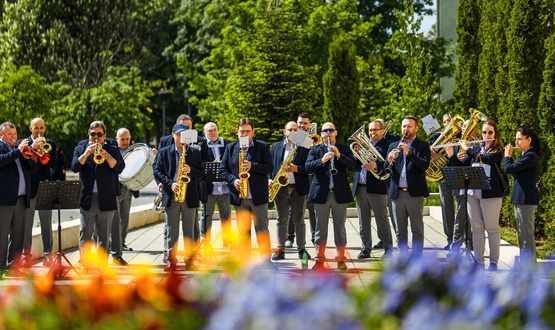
(492, 267)
(119, 261)
(127, 248)
(364, 254)
(170, 265)
(301, 254)
(388, 252)
(447, 247)
(278, 254)
(341, 265)
(378, 246)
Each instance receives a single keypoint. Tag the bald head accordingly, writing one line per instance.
(211, 131)
(123, 137)
(37, 128)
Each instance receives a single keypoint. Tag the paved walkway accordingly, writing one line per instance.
(147, 243)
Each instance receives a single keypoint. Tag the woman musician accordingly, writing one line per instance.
(525, 195)
(484, 205)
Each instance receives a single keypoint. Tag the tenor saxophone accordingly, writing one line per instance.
(182, 178)
(281, 179)
(243, 176)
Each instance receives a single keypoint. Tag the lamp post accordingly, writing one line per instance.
(164, 95)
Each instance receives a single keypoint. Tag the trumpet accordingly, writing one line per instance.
(98, 157)
(317, 139)
(243, 176)
(34, 155)
(333, 170)
(45, 147)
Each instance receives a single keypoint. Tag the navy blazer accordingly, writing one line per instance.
(43, 170)
(525, 171)
(106, 178)
(319, 189)
(489, 158)
(210, 158)
(261, 166)
(299, 159)
(418, 160)
(373, 185)
(9, 175)
(166, 167)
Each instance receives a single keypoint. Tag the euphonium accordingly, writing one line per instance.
(333, 170)
(243, 176)
(433, 173)
(98, 157)
(182, 178)
(281, 179)
(367, 152)
(476, 118)
(312, 129)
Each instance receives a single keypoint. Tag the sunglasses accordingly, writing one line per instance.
(328, 130)
(95, 134)
(487, 132)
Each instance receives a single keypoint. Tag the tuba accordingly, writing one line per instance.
(312, 129)
(433, 173)
(366, 152)
(476, 118)
(98, 157)
(182, 178)
(281, 179)
(243, 176)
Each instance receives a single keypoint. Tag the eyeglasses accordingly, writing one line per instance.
(96, 134)
(328, 130)
(487, 132)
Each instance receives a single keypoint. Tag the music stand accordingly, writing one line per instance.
(59, 195)
(211, 174)
(465, 177)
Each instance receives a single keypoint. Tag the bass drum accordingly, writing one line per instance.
(137, 173)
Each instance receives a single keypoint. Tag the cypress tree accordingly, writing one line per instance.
(487, 98)
(546, 116)
(500, 52)
(342, 87)
(526, 55)
(469, 48)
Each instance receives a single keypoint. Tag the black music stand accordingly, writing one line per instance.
(211, 174)
(59, 195)
(465, 177)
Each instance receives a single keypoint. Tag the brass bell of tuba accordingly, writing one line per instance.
(476, 118)
(433, 173)
(312, 134)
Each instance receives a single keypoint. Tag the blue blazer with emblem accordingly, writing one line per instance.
(525, 171)
(9, 175)
(418, 160)
(373, 185)
(165, 168)
(106, 178)
(261, 166)
(299, 159)
(319, 189)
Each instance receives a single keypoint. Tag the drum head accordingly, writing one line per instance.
(135, 158)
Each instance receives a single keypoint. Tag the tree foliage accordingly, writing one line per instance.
(271, 86)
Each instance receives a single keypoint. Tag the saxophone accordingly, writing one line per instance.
(243, 176)
(281, 179)
(182, 178)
